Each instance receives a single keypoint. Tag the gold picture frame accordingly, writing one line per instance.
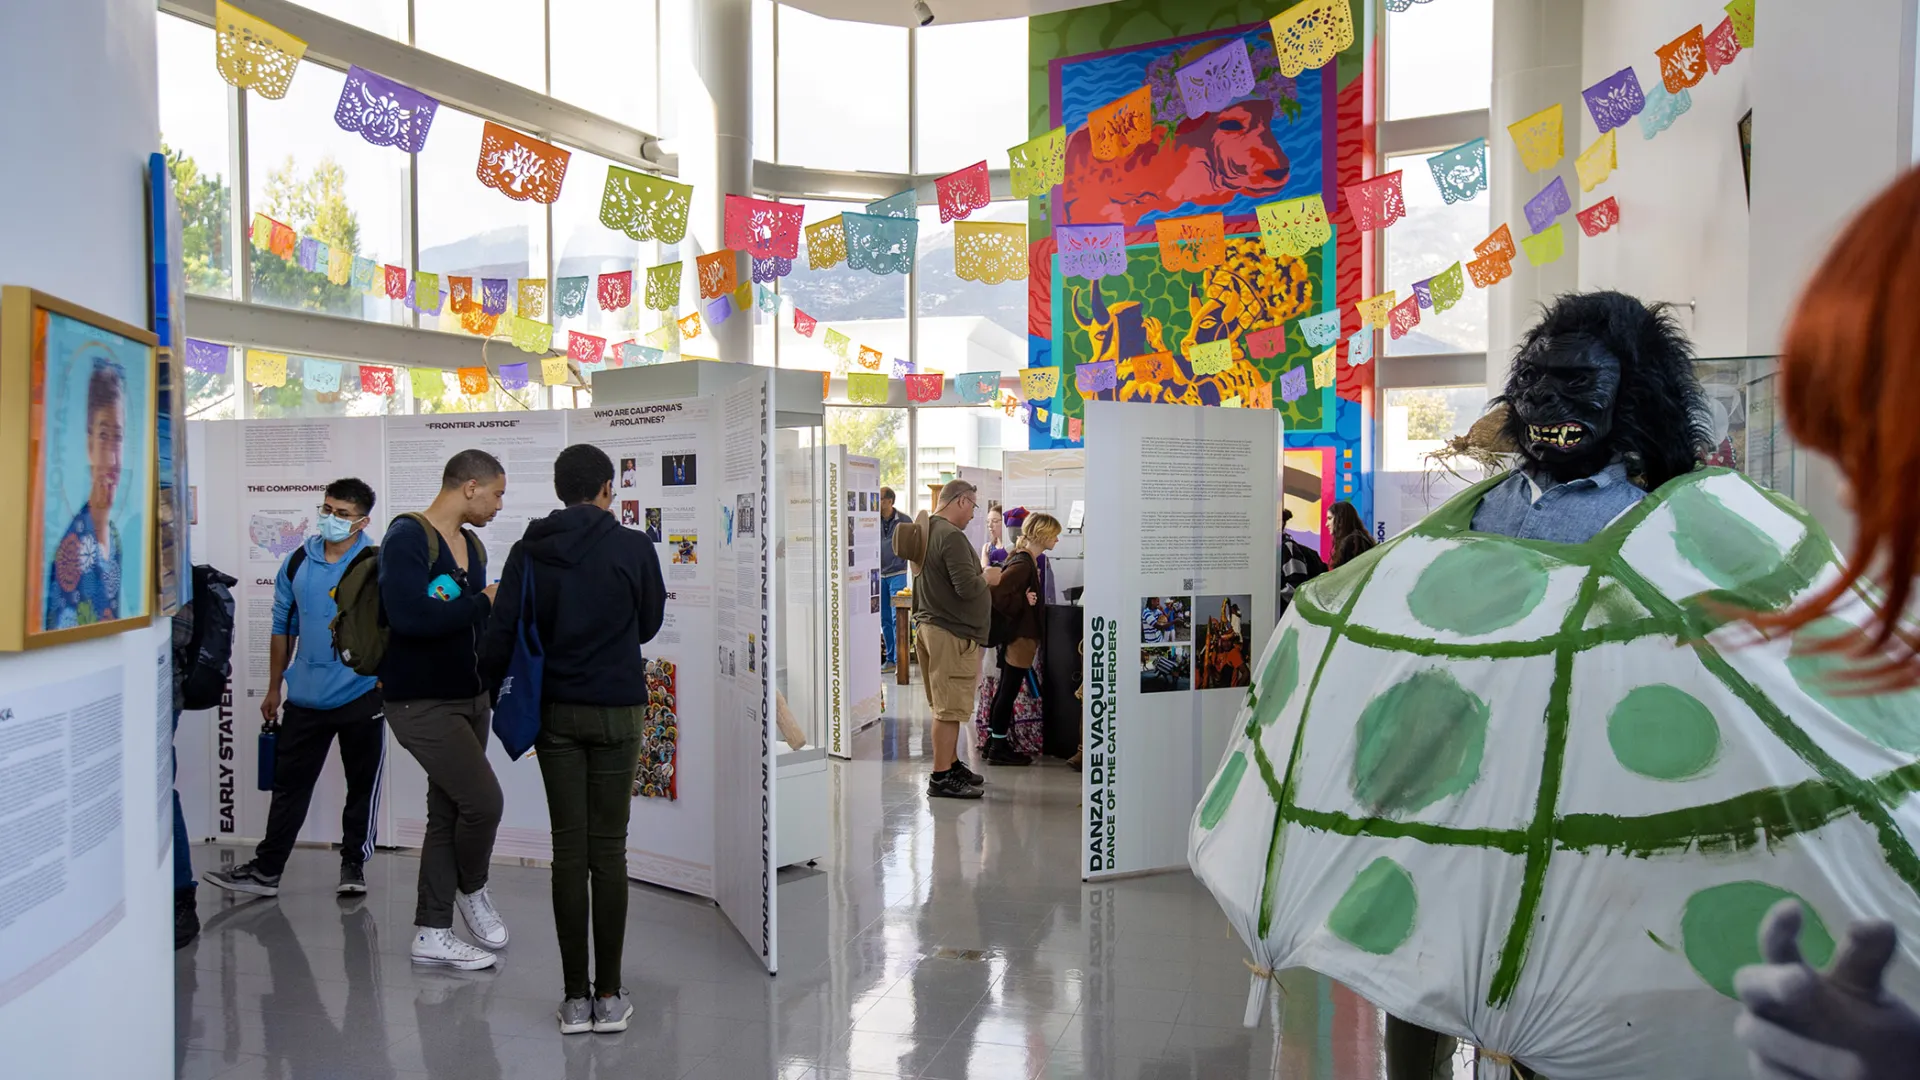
(77, 453)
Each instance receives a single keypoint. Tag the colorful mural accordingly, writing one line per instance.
(1286, 138)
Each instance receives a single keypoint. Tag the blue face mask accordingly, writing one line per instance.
(335, 529)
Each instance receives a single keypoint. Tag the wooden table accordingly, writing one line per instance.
(902, 636)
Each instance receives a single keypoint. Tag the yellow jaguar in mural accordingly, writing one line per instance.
(1249, 290)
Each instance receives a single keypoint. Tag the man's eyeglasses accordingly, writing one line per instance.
(326, 511)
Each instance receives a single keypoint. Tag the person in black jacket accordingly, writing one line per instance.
(437, 706)
(597, 597)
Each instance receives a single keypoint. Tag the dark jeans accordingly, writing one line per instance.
(587, 755)
(300, 753)
(182, 854)
(449, 740)
(1000, 714)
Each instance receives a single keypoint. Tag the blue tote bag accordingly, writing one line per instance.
(516, 715)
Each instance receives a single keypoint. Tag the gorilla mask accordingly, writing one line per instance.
(1563, 395)
(1602, 378)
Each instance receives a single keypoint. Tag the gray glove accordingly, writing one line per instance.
(1800, 1024)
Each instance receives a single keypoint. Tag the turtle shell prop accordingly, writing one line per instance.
(1539, 796)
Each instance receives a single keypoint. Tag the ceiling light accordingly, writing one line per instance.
(922, 12)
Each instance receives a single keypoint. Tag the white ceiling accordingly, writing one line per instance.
(900, 12)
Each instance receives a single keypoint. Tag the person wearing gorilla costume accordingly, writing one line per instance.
(1601, 407)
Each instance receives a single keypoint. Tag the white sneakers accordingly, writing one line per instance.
(483, 922)
(439, 946)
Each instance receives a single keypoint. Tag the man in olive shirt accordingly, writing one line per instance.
(950, 610)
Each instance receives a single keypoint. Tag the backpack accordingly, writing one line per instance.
(204, 661)
(359, 628)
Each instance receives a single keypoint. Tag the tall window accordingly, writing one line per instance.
(467, 228)
(329, 185)
(1420, 420)
(504, 38)
(1439, 58)
(193, 129)
(583, 247)
(603, 58)
(871, 309)
(966, 325)
(387, 17)
(971, 99)
(842, 90)
(1432, 237)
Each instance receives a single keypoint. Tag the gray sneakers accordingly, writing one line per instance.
(575, 1016)
(612, 1013)
(245, 878)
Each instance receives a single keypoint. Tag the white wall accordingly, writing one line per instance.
(81, 77)
(1683, 206)
(1833, 93)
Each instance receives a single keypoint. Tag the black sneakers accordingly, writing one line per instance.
(972, 778)
(1001, 752)
(353, 879)
(245, 878)
(951, 785)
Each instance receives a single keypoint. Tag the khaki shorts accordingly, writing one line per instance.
(950, 671)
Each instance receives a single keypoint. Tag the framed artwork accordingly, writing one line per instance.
(77, 453)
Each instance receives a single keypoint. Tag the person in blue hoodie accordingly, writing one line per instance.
(325, 699)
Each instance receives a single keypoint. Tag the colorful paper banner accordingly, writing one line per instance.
(1120, 126)
(867, 388)
(520, 166)
(645, 207)
(473, 380)
(585, 348)
(1541, 138)
(826, 243)
(803, 323)
(717, 273)
(1662, 110)
(837, 343)
(1096, 377)
(1323, 368)
(1293, 384)
(384, 112)
(1217, 79)
(1038, 164)
(1460, 173)
(990, 252)
(265, 368)
(207, 357)
(553, 371)
(376, 380)
(1546, 246)
(253, 54)
(976, 387)
(1091, 251)
(768, 270)
(1546, 207)
(1615, 99)
(1373, 310)
(616, 290)
(1376, 203)
(1447, 286)
(1039, 383)
(1191, 243)
(513, 376)
(963, 191)
(870, 358)
(1683, 61)
(1267, 342)
(880, 244)
(321, 376)
(1210, 357)
(1360, 348)
(763, 228)
(1311, 34)
(1598, 161)
(1321, 330)
(430, 383)
(570, 297)
(1403, 318)
(532, 336)
(1599, 217)
(923, 388)
(1292, 227)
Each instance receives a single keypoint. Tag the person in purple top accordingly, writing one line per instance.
(991, 552)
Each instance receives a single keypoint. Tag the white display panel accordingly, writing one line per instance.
(1180, 587)
(857, 629)
(418, 447)
(1050, 481)
(62, 822)
(743, 626)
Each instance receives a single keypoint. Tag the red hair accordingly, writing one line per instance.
(1849, 385)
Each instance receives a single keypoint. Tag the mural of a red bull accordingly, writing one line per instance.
(1288, 137)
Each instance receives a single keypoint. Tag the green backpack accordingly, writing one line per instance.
(359, 629)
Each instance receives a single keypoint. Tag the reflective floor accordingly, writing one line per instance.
(948, 940)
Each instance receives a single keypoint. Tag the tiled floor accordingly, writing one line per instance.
(1052, 978)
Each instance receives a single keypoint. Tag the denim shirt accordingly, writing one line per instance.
(1569, 513)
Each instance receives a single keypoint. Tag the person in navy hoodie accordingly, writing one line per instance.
(325, 699)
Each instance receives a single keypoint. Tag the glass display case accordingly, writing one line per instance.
(1749, 433)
